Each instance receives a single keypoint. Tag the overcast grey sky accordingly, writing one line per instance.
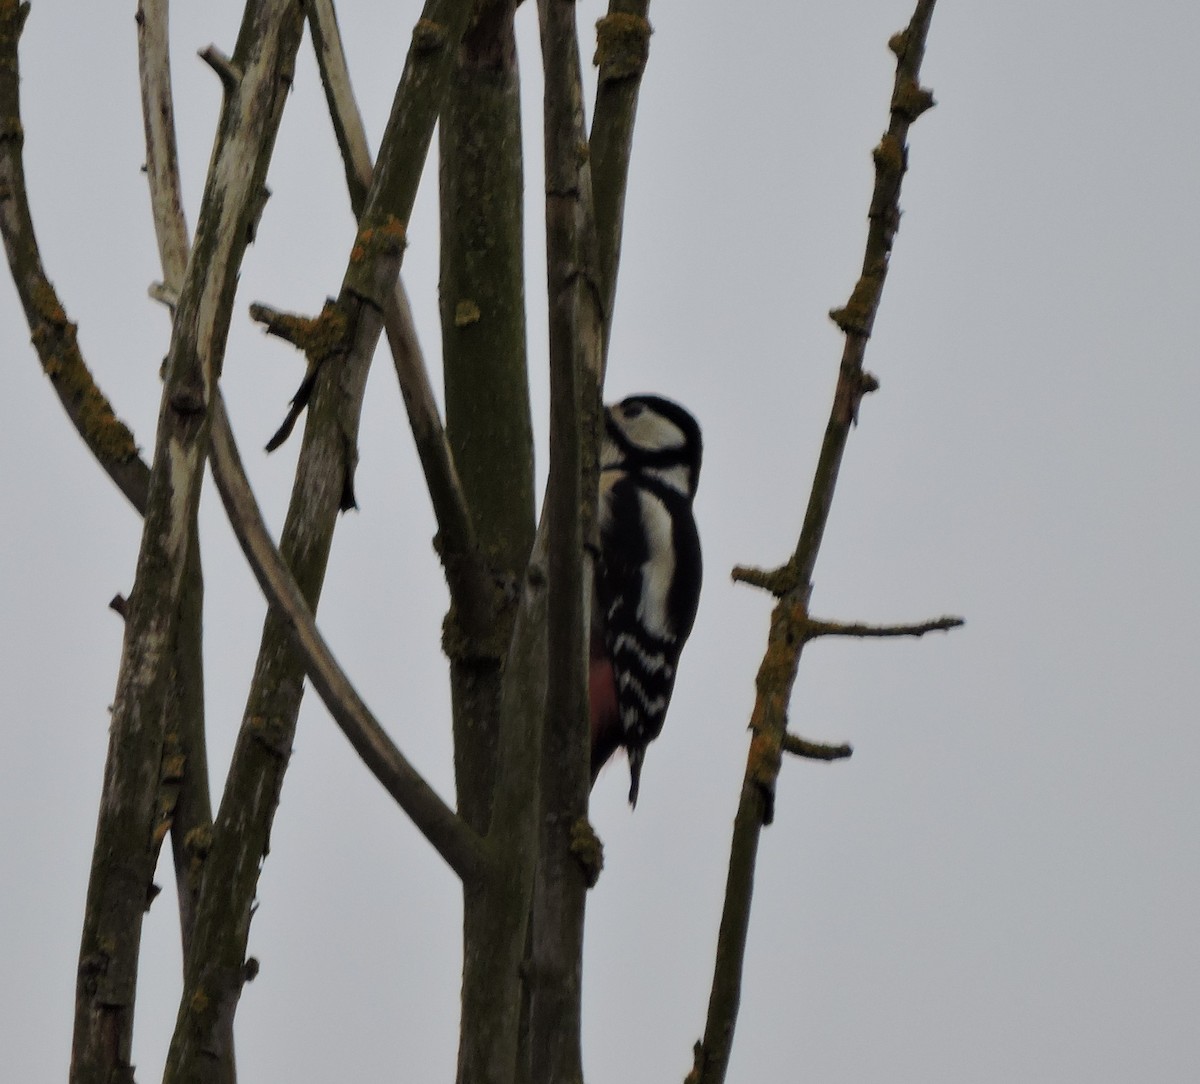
(1003, 883)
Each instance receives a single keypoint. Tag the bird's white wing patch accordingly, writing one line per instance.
(659, 569)
(678, 477)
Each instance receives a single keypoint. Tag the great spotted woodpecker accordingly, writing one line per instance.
(648, 571)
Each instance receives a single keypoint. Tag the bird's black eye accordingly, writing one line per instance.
(632, 410)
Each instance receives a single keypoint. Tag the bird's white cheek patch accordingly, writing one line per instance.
(652, 432)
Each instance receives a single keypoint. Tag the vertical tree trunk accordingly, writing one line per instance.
(490, 433)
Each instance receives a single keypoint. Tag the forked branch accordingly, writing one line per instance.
(329, 452)
(125, 849)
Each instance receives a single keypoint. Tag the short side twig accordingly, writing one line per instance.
(814, 750)
(229, 74)
(817, 628)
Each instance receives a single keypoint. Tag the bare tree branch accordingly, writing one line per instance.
(323, 481)
(450, 836)
(622, 48)
(378, 249)
(228, 72)
(481, 287)
(455, 530)
(339, 96)
(817, 628)
(162, 156)
(576, 349)
(190, 813)
(54, 336)
(814, 750)
(792, 583)
(441, 477)
(125, 846)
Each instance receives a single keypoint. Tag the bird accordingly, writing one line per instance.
(648, 572)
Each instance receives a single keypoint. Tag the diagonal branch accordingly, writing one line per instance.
(445, 490)
(450, 836)
(378, 249)
(455, 530)
(339, 96)
(793, 583)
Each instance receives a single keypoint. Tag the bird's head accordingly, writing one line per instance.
(653, 436)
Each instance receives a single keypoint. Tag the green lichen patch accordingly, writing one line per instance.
(588, 851)
(466, 312)
(386, 238)
(622, 46)
(54, 339)
(327, 334)
(856, 316)
(889, 156)
(911, 100)
(764, 760)
(428, 36)
(198, 842)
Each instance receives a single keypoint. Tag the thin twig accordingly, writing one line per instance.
(227, 71)
(622, 48)
(190, 799)
(817, 628)
(814, 750)
(793, 583)
(339, 96)
(162, 155)
(441, 478)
